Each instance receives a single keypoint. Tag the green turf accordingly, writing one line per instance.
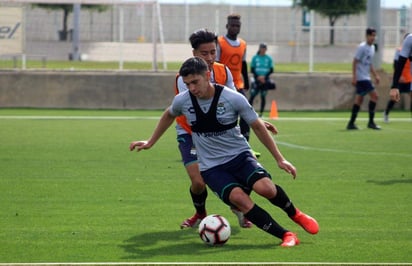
(71, 191)
(171, 66)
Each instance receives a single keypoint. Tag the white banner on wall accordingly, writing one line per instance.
(11, 30)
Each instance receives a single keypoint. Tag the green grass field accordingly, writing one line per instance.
(71, 191)
(171, 66)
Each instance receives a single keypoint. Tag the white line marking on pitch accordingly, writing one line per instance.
(300, 147)
(63, 117)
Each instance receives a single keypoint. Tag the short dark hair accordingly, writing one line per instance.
(193, 66)
(233, 16)
(202, 36)
(370, 31)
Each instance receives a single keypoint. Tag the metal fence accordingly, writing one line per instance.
(147, 31)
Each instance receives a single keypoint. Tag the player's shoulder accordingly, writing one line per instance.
(218, 65)
(220, 38)
(182, 95)
(228, 92)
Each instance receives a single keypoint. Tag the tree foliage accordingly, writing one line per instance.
(67, 9)
(333, 9)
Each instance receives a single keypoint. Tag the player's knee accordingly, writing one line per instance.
(240, 199)
(265, 188)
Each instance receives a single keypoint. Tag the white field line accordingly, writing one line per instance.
(194, 263)
(300, 147)
(59, 117)
(74, 117)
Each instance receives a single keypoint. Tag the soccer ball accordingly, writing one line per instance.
(214, 230)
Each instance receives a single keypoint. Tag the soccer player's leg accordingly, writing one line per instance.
(198, 191)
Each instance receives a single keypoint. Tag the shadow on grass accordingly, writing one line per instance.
(390, 182)
(176, 243)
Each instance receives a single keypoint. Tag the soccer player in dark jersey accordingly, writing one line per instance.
(404, 54)
(404, 84)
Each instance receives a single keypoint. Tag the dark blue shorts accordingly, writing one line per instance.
(187, 149)
(243, 172)
(364, 87)
(404, 87)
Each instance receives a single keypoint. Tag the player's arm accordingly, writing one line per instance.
(354, 63)
(394, 92)
(375, 74)
(245, 75)
(166, 120)
(229, 79)
(264, 137)
(268, 74)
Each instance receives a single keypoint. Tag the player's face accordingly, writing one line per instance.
(233, 27)
(198, 85)
(370, 39)
(206, 51)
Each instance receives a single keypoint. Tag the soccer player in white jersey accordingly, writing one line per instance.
(361, 68)
(226, 162)
(203, 43)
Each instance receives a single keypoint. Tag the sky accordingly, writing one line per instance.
(384, 3)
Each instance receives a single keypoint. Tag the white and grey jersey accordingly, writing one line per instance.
(364, 55)
(215, 148)
(407, 47)
(181, 87)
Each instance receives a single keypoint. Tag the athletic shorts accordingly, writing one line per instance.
(243, 172)
(405, 87)
(364, 87)
(187, 149)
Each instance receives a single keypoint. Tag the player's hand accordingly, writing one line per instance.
(261, 79)
(288, 167)
(139, 145)
(271, 128)
(354, 81)
(377, 79)
(394, 94)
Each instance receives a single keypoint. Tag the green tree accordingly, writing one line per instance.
(333, 10)
(67, 9)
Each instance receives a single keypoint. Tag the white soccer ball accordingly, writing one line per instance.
(214, 230)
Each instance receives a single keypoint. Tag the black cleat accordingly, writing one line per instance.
(373, 126)
(351, 126)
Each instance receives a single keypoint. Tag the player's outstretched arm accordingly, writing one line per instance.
(260, 130)
(165, 122)
(271, 127)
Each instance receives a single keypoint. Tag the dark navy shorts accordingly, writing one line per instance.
(187, 149)
(364, 87)
(243, 172)
(404, 87)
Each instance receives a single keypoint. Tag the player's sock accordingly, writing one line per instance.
(371, 107)
(355, 111)
(389, 107)
(410, 107)
(282, 201)
(264, 221)
(199, 201)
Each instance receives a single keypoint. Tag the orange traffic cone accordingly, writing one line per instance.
(273, 111)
